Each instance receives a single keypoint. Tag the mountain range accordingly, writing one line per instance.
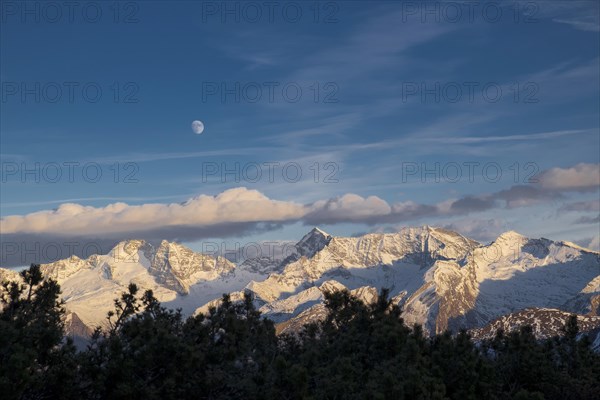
(441, 279)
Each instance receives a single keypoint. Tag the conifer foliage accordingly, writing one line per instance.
(358, 352)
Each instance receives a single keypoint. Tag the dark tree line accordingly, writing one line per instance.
(358, 352)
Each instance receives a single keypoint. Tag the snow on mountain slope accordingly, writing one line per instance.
(318, 312)
(425, 262)
(545, 323)
(266, 257)
(411, 246)
(179, 278)
(450, 281)
(514, 273)
(8, 275)
(283, 309)
(441, 279)
(510, 274)
(587, 301)
(446, 293)
(63, 269)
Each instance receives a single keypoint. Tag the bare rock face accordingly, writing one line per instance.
(448, 293)
(313, 242)
(262, 265)
(292, 326)
(594, 305)
(178, 267)
(75, 329)
(74, 326)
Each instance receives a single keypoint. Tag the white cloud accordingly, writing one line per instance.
(348, 208)
(244, 206)
(238, 205)
(240, 211)
(581, 177)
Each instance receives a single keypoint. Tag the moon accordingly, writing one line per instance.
(197, 127)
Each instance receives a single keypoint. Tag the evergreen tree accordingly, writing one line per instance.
(359, 351)
(33, 362)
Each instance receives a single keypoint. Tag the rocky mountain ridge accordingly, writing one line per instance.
(441, 279)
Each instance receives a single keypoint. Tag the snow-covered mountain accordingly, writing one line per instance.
(545, 323)
(178, 276)
(441, 279)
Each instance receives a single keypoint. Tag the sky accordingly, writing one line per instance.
(354, 116)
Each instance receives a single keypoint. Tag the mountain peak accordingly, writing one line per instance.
(132, 242)
(315, 233)
(512, 235)
(417, 230)
(441, 279)
(317, 230)
(313, 242)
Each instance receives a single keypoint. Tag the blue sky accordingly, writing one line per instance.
(369, 94)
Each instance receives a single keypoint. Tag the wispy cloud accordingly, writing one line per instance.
(593, 205)
(507, 138)
(588, 220)
(584, 23)
(150, 157)
(580, 14)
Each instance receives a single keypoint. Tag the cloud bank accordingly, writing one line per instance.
(240, 211)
